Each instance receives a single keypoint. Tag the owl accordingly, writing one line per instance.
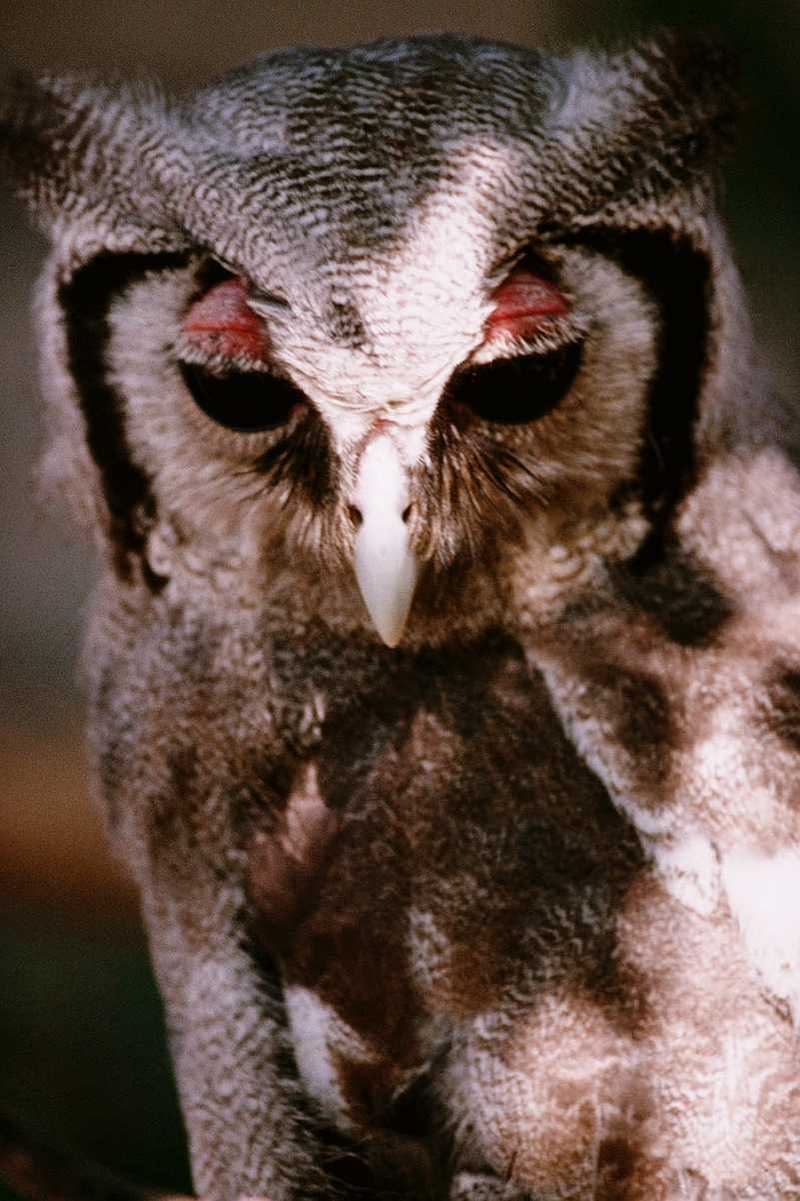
(444, 657)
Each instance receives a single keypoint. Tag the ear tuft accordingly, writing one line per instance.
(23, 128)
(650, 123)
(40, 119)
(72, 145)
(695, 90)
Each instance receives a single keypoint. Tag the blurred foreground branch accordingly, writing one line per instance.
(33, 1169)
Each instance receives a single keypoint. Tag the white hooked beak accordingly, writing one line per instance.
(386, 568)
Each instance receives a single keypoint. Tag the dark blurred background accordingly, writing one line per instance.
(81, 1048)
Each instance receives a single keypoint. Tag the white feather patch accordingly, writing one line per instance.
(313, 1024)
(764, 895)
(689, 869)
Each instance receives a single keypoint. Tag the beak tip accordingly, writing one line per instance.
(389, 621)
(387, 589)
(392, 639)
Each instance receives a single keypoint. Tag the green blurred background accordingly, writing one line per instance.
(81, 1047)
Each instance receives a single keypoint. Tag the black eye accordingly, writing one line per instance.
(515, 391)
(246, 401)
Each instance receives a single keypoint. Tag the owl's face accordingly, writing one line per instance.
(500, 414)
(387, 324)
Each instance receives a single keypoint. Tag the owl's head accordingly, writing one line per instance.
(420, 331)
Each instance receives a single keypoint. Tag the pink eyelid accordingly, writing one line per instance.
(221, 322)
(524, 303)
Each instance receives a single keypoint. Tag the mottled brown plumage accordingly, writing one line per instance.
(445, 652)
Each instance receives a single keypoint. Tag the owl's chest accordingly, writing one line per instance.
(441, 848)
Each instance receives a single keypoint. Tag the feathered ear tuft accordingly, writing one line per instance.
(651, 121)
(44, 126)
(72, 144)
(690, 87)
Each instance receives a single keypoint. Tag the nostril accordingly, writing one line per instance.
(406, 514)
(354, 513)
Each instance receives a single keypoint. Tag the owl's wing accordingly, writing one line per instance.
(739, 764)
(681, 688)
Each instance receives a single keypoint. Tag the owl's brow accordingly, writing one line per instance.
(270, 301)
(258, 296)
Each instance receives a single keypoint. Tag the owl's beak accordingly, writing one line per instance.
(386, 567)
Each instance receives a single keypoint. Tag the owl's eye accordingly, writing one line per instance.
(230, 383)
(245, 401)
(517, 390)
